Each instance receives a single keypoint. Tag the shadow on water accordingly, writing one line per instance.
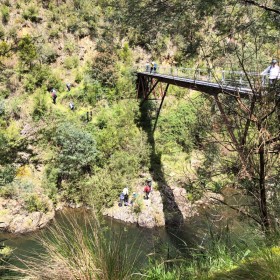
(145, 242)
(172, 213)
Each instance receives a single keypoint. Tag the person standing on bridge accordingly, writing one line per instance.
(153, 67)
(273, 71)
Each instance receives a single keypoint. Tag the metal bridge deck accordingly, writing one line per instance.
(199, 85)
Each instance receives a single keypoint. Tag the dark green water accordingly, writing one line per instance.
(166, 242)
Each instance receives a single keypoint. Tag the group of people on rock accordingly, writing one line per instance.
(124, 196)
(54, 97)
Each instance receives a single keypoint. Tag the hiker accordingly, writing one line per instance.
(147, 191)
(273, 71)
(149, 183)
(125, 192)
(147, 67)
(71, 105)
(121, 200)
(153, 67)
(68, 85)
(54, 96)
(133, 199)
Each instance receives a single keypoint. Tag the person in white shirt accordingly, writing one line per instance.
(273, 71)
(125, 192)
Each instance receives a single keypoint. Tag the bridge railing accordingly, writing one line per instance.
(238, 79)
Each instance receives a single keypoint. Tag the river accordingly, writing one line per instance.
(167, 243)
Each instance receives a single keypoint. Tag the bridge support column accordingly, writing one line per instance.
(158, 112)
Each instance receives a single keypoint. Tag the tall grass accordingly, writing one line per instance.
(82, 250)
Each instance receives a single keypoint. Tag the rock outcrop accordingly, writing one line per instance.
(151, 213)
(145, 213)
(15, 218)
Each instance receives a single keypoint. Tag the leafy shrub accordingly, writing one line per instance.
(34, 203)
(2, 32)
(54, 33)
(27, 50)
(69, 46)
(76, 150)
(41, 76)
(7, 174)
(48, 54)
(40, 105)
(4, 48)
(71, 62)
(5, 12)
(7, 191)
(31, 13)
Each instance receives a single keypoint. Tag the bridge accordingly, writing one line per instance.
(235, 83)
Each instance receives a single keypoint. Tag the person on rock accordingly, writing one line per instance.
(147, 191)
(121, 200)
(125, 192)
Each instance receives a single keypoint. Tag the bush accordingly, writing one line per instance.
(7, 174)
(27, 50)
(40, 105)
(35, 203)
(7, 191)
(76, 151)
(5, 12)
(31, 13)
(48, 54)
(71, 62)
(2, 32)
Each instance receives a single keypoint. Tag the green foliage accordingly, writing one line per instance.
(5, 255)
(40, 105)
(5, 13)
(41, 76)
(7, 174)
(2, 33)
(27, 50)
(35, 203)
(31, 13)
(47, 54)
(183, 124)
(4, 48)
(82, 249)
(76, 150)
(71, 62)
(7, 192)
(159, 272)
(54, 33)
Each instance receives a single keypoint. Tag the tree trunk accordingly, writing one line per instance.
(262, 190)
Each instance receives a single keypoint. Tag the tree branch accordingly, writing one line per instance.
(264, 7)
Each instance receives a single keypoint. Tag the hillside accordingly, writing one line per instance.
(52, 155)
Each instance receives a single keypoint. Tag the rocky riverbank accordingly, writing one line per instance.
(15, 218)
(154, 212)
(151, 213)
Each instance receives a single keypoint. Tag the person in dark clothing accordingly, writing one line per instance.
(68, 85)
(71, 105)
(54, 96)
(121, 200)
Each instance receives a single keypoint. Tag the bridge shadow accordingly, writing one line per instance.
(172, 213)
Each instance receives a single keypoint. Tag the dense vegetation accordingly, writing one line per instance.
(88, 155)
